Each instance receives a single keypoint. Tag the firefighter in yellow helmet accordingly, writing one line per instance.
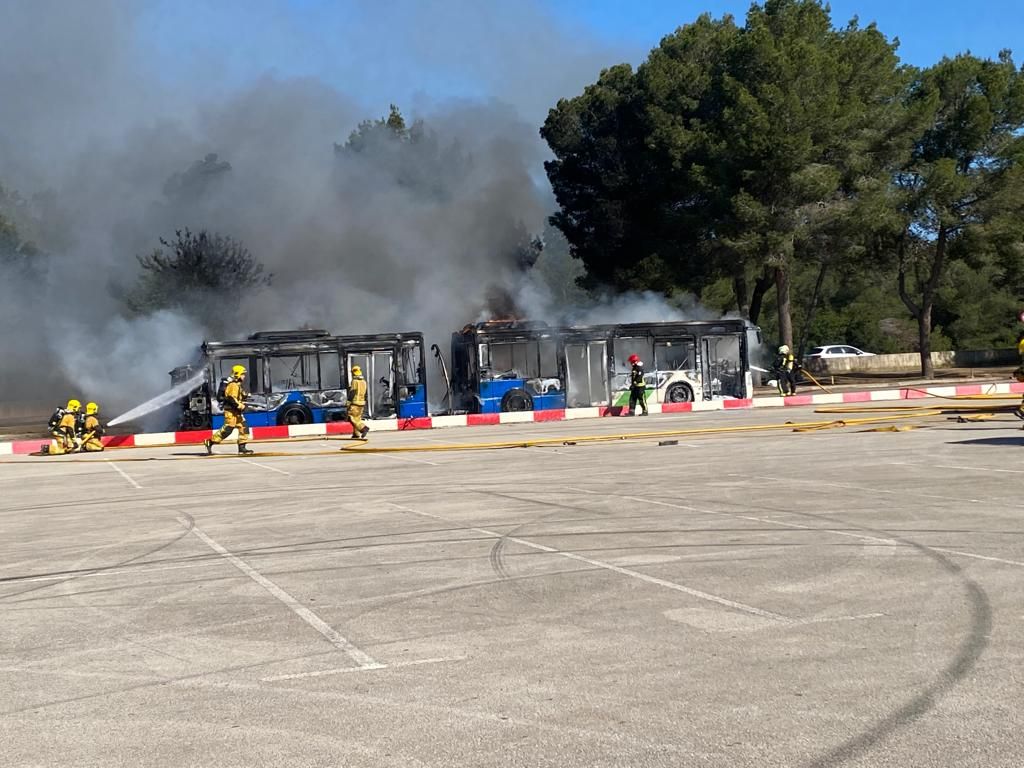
(90, 436)
(784, 369)
(62, 428)
(233, 404)
(357, 403)
(1019, 374)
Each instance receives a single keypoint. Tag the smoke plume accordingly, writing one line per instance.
(123, 122)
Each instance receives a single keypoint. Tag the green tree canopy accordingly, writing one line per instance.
(204, 274)
(959, 196)
(706, 160)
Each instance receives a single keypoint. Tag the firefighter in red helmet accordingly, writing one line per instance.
(637, 386)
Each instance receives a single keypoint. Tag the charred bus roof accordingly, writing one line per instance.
(285, 342)
(491, 326)
(660, 329)
(528, 329)
(288, 335)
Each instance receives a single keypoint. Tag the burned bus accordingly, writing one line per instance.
(683, 361)
(302, 377)
(507, 366)
(521, 366)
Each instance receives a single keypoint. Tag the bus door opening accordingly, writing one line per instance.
(378, 371)
(721, 367)
(412, 387)
(675, 378)
(622, 348)
(520, 375)
(586, 369)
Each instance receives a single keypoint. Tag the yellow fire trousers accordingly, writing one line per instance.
(232, 420)
(355, 418)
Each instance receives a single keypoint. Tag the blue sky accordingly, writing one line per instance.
(927, 29)
(525, 52)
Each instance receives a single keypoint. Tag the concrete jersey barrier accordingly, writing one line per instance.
(911, 361)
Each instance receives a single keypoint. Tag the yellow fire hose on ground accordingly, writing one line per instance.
(820, 386)
(884, 422)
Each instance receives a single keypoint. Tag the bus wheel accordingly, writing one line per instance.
(517, 400)
(679, 393)
(198, 420)
(293, 413)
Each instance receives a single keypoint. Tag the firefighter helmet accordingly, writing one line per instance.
(238, 371)
(357, 371)
(74, 406)
(91, 409)
(634, 359)
(784, 349)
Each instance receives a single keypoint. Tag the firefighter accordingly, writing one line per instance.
(232, 397)
(90, 435)
(357, 403)
(637, 386)
(1019, 374)
(784, 369)
(62, 428)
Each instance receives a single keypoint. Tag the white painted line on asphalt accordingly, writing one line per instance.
(346, 670)
(851, 487)
(121, 472)
(266, 466)
(357, 655)
(139, 571)
(752, 518)
(434, 440)
(783, 523)
(404, 458)
(956, 466)
(961, 553)
(610, 567)
(76, 673)
(831, 619)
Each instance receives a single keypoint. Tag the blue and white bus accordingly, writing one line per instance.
(302, 377)
(512, 365)
(509, 365)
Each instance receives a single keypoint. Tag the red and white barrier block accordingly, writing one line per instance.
(153, 439)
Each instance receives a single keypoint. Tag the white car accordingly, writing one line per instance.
(833, 351)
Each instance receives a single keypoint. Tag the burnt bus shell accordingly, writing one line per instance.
(539, 366)
(300, 377)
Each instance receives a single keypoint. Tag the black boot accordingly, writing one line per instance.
(364, 432)
(244, 450)
(208, 443)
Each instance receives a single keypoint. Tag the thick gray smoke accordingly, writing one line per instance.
(118, 135)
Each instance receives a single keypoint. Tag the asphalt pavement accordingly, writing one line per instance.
(750, 598)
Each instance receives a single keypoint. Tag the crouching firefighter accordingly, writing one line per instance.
(62, 429)
(90, 432)
(357, 403)
(232, 397)
(784, 369)
(637, 386)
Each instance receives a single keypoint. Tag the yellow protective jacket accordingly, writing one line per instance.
(92, 427)
(67, 424)
(234, 396)
(784, 362)
(357, 391)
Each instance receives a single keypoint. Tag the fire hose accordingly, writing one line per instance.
(883, 422)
